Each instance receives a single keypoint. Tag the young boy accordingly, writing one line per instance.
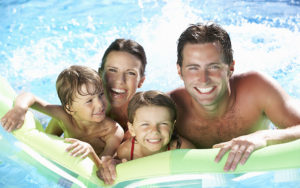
(152, 116)
(81, 117)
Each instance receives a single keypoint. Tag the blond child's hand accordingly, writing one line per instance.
(107, 171)
(78, 147)
(13, 119)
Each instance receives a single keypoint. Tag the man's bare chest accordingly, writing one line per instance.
(204, 133)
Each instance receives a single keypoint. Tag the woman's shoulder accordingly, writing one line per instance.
(124, 150)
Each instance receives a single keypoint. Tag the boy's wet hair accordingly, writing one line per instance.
(70, 81)
(129, 46)
(205, 33)
(150, 98)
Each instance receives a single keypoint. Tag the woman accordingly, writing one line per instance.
(123, 71)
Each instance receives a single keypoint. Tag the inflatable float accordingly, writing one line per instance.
(164, 169)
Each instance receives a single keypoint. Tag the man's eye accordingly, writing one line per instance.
(192, 68)
(214, 67)
(132, 73)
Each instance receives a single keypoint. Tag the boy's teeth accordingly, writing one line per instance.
(118, 90)
(205, 90)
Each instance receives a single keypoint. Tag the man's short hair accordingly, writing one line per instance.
(205, 33)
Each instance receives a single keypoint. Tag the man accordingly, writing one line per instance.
(218, 107)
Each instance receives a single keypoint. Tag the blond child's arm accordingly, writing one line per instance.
(15, 117)
(82, 149)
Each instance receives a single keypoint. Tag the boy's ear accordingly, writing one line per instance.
(67, 109)
(179, 71)
(130, 129)
(141, 81)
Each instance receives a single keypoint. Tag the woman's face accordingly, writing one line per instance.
(122, 77)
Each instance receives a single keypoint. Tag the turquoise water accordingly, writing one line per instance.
(40, 38)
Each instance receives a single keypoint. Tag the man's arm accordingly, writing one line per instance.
(279, 107)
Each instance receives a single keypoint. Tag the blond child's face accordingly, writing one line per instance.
(152, 127)
(90, 108)
(122, 77)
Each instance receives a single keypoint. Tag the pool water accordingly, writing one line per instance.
(40, 38)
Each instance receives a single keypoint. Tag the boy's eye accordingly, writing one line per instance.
(101, 94)
(144, 124)
(89, 101)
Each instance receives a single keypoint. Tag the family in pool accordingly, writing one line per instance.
(103, 117)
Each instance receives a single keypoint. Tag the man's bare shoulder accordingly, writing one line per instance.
(254, 81)
(252, 76)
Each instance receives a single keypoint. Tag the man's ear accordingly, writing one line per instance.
(231, 68)
(179, 71)
(141, 81)
(131, 129)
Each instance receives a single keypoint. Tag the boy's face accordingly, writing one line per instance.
(122, 77)
(205, 75)
(152, 126)
(88, 107)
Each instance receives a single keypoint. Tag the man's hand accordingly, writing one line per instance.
(241, 148)
(13, 119)
(107, 171)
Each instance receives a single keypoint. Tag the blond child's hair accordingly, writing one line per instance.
(70, 81)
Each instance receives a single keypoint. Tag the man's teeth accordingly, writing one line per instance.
(118, 90)
(205, 90)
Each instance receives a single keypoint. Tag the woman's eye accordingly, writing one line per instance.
(112, 70)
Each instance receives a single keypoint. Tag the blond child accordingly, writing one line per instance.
(81, 117)
(152, 115)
